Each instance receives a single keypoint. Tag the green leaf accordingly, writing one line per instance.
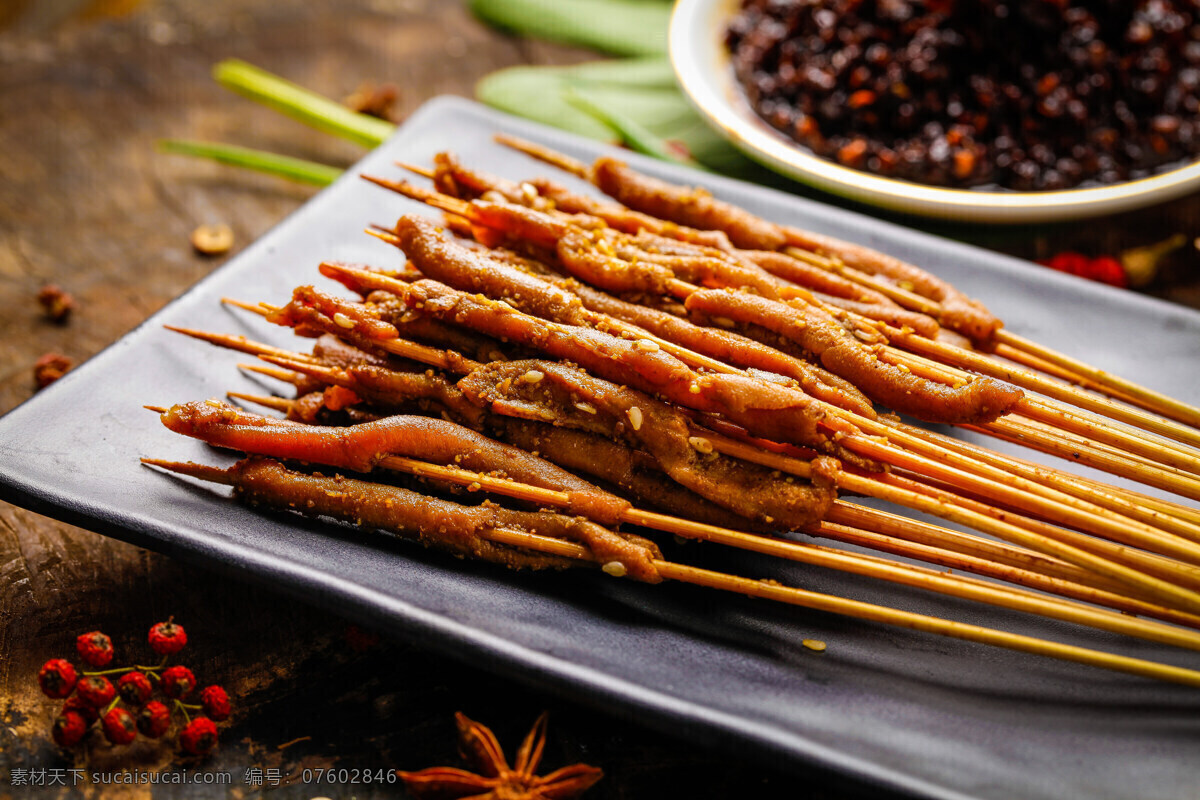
(295, 169)
(633, 134)
(300, 103)
(641, 91)
(619, 27)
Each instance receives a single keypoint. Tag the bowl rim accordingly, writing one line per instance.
(702, 68)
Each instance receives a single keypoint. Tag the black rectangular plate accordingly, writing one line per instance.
(917, 714)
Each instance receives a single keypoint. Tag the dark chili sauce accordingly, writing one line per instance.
(1027, 95)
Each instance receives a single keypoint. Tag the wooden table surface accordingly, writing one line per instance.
(86, 202)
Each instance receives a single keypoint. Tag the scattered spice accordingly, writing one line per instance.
(375, 100)
(212, 240)
(496, 780)
(56, 303)
(49, 368)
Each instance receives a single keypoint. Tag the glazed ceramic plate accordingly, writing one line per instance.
(915, 714)
(702, 66)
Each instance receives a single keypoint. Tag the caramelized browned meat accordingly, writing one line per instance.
(624, 219)
(361, 447)
(436, 523)
(893, 315)
(959, 312)
(689, 206)
(615, 464)
(811, 277)
(584, 257)
(767, 409)
(731, 348)
(570, 397)
(462, 268)
(978, 400)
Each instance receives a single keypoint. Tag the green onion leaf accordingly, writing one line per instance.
(300, 103)
(295, 169)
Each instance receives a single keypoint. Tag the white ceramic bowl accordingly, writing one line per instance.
(702, 66)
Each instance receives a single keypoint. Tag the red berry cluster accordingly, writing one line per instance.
(1104, 269)
(125, 710)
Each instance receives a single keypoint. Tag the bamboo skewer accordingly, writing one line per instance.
(1076, 449)
(286, 376)
(1008, 353)
(1030, 380)
(1097, 555)
(238, 343)
(1100, 494)
(857, 609)
(1155, 401)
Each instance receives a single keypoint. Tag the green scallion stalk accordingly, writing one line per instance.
(633, 134)
(301, 104)
(296, 169)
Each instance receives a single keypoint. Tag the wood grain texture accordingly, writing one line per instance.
(86, 202)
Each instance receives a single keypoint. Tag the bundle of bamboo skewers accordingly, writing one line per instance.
(667, 362)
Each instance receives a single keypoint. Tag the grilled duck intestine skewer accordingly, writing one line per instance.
(516, 538)
(868, 267)
(455, 305)
(674, 242)
(915, 338)
(724, 305)
(1151, 576)
(367, 446)
(582, 461)
(431, 253)
(583, 456)
(589, 254)
(448, 399)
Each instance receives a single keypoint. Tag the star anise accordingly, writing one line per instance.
(496, 781)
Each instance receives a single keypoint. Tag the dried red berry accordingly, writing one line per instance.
(1107, 269)
(1068, 262)
(55, 302)
(119, 726)
(49, 368)
(215, 702)
(167, 637)
(154, 719)
(57, 678)
(69, 729)
(199, 737)
(134, 688)
(95, 690)
(178, 682)
(77, 704)
(95, 648)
